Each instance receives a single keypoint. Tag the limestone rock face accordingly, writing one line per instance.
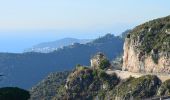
(147, 47)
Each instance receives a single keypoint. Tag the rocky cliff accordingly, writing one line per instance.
(147, 47)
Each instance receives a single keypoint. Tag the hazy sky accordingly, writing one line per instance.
(27, 22)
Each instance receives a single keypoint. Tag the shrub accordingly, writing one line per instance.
(104, 64)
(164, 89)
(85, 76)
(155, 59)
(103, 75)
(94, 73)
(79, 67)
(142, 87)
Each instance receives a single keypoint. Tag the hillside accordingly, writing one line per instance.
(146, 51)
(94, 82)
(47, 47)
(49, 85)
(17, 67)
(147, 47)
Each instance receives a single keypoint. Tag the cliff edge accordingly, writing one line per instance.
(147, 47)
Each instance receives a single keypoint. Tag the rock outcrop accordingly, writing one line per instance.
(87, 84)
(147, 47)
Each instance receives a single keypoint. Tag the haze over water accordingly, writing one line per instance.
(26, 23)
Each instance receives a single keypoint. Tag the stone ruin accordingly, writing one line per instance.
(96, 60)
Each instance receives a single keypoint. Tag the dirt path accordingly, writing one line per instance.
(126, 74)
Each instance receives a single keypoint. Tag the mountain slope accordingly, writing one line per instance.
(94, 83)
(147, 47)
(54, 45)
(47, 88)
(26, 69)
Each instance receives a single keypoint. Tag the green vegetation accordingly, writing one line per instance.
(155, 59)
(164, 89)
(79, 67)
(143, 87)
(152, 35)
(95, 73)
(51, 86)
(109, 80)
(89, 83)
(13, 93)
(104, 64)
(126, 34)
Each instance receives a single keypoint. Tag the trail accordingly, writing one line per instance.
(126, 74)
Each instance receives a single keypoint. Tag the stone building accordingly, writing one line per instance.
(96, 60)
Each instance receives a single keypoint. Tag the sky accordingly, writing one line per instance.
(24, 23)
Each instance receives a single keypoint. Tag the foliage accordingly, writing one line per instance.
(88, 83)
(104, 64)
(152, 35)
(78, 65)
(95, 73)
(13, 93)
(110, 80)
(91, 84)
(155, 59)
(103, 75)
(126, 34)
(81, 67)
(164, 89)
(51, 86)
(143, 87)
